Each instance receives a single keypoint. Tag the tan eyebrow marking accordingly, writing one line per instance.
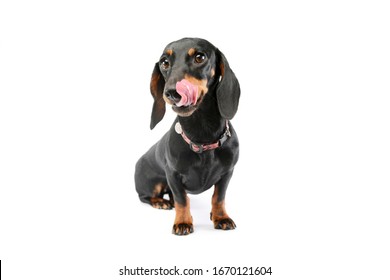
(169, 52)
(191, 51)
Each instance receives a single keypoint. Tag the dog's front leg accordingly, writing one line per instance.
(218, 213)
(183, 220)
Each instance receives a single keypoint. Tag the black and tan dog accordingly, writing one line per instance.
(201, 148)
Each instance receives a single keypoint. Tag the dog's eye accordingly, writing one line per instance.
(200, 57)
(164, 63)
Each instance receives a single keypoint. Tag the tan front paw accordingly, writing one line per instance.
(182, 229)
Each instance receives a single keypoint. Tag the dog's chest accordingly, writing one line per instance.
(198, 180)
(199, 172)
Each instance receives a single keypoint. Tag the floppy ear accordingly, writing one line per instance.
(157, 84)
(228, 89)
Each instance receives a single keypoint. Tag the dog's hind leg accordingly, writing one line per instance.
(158, 201)
(152, 186)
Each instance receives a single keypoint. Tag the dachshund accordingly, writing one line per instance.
(201, 148)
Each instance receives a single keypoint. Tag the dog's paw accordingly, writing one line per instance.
(224, 223)
(182, 229)
(161, 203)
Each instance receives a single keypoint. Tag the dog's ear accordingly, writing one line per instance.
(157, 84)
(228, 89)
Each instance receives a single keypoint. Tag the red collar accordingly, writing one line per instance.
(199, 148)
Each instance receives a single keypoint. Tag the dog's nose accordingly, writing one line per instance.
(172, 95)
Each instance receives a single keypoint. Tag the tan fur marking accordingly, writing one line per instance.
(218, 215)
(161, 203)
(183, 214)
(168, 101)
(154, 84)
(222, 67)
(157, 199)
(202, 84)
(158, 189)
(169, 52)
(218, 211)
(191, 52)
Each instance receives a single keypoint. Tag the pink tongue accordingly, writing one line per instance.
(188, 93)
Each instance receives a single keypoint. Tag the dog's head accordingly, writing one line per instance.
(185, 73)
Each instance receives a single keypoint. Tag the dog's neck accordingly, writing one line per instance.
(205, 125)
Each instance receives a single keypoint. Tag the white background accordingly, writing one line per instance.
(309, 194)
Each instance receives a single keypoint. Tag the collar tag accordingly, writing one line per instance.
(178, 128)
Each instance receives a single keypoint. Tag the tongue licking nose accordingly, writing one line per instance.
(188, 93)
